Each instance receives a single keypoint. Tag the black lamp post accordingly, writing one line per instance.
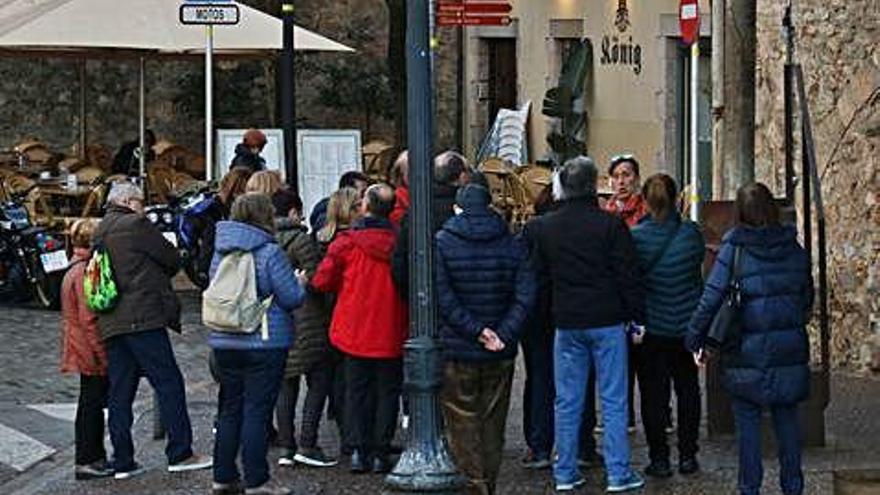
(288, 94)
(425, 465)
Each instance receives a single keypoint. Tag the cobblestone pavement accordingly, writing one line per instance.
(36, 430)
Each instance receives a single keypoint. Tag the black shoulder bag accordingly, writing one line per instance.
(724, 332)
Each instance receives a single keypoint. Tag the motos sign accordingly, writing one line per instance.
(209, 13)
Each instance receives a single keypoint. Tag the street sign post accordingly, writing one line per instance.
(473, 12)
(689, 22)
(209, 14)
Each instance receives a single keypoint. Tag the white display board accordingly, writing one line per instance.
(228, 139)
(322, 157)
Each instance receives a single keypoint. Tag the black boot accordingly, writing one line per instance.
(659, 469)
(358, 462)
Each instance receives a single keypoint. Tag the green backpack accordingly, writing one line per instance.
(99, 283)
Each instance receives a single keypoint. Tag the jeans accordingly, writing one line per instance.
(665, 359)
(748, 433)
(89, 425)
(475, 400)
(319, 381)
(249, 383)
(575, 351)
(372, 398)
(129, 357)
(539, 394)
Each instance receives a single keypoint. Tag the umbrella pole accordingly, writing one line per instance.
(142, 106)
(82, 108)
(209, 102)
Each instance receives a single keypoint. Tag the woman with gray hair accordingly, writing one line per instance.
(250, 366)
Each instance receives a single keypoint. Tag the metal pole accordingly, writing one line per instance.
(209, 102)
(425, 465)
(142, 124)
(288, 95)
(82, 108)
(695, 106)
(788, 93)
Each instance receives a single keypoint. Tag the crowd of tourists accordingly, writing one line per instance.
(600, 293)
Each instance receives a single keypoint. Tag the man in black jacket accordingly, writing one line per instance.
(597, 291)
(135, 331)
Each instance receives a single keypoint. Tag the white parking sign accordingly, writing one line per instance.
(209, 13)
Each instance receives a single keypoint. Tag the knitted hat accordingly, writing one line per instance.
(473, 197)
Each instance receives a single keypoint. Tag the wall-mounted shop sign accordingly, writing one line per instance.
(619, 49)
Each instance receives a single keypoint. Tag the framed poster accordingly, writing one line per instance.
(322, 157)
(228, 139)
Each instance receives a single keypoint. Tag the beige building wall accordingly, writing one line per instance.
(631, 106)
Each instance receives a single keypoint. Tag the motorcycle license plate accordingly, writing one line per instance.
(170, 237)
(54, 261)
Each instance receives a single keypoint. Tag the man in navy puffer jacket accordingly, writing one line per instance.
(770, 366)
(485, 290)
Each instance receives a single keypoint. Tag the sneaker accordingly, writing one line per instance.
(270, 487)
(533, 461)
(632, 482)
(193, 463)
(314, 457)
(233, 488)
(134, 470)
(659, 469)
(688, 465)
(99, 469)
(286, 458)
(591, 460)
(570, 487)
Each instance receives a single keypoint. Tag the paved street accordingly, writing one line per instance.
(37, 406)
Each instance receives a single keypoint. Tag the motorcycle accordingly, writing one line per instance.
(182, 222)
(32, 259)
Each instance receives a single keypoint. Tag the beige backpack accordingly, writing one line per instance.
(230, 303)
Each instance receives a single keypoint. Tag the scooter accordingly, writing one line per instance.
(32, 259)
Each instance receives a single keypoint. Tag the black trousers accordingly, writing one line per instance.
(319, 381)
(89, 424)
(663, 360)
(539, 394)
(372, 399)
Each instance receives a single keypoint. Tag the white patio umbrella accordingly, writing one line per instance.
(141, 27)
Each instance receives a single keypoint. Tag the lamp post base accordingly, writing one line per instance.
(426, 468)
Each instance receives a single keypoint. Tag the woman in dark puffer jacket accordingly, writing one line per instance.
(770, 366)
(309, 357)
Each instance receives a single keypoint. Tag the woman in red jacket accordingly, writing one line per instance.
(83, 352)
(369, 326)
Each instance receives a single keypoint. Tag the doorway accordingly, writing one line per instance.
(502, 80)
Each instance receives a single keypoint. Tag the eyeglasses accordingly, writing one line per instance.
(625, 157)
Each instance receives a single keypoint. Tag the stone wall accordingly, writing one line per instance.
(40, 97)
(837, 44)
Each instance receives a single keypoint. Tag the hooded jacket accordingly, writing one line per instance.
(771, 364)
(674, 283)
(401, 204)
(483, 281)
(244, 157)
(312, 318)
(143, 263)
(275, 277)
(370, 318)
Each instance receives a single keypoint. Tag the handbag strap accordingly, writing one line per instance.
(666, 243)
(735, 272)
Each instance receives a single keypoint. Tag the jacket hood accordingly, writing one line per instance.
(477, 225)
(238, 236)
(773, 242)
(241, 149)
(283, 224)
(375, 236)
(473, 198)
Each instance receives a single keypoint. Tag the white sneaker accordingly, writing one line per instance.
(570, 487)
(194, 463)
(136, 470)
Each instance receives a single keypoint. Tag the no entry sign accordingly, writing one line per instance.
(689, 20)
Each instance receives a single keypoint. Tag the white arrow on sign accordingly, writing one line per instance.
(209, 13)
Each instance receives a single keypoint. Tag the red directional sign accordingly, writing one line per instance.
(473, 12)
(689, 20)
